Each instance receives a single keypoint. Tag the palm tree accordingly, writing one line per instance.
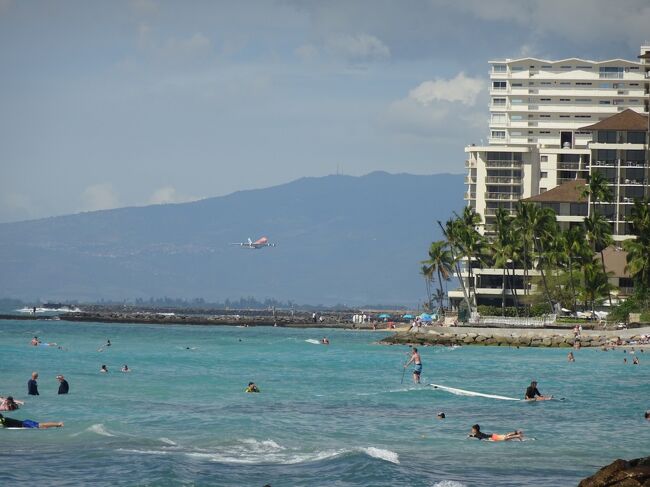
(470, 242)
(577, 250)
(440, 261)
(427, 273)
(597, 189)
(599, 235)
(451, 235)
(595, 284)
(638, 249)
(502, 249)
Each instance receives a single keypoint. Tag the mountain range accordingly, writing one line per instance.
(340, 240)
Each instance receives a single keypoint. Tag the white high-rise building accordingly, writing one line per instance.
(537, 140)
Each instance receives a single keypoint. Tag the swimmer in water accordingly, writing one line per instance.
(479, 435)
(325, 341)
(570, 357)
(103, 369)
(126, 368)
(26, 423)
(9, 404)
(441, 415)
(35, 341)
(252, 387)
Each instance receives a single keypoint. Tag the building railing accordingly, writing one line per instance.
(502, 196)
(470, 180)
(632, 182)
(470, 196)
(572, 166)
(502, 180)
(470, 163)
(499, 163)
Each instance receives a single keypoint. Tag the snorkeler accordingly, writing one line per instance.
(252, 387)
(479, 435)
(103, 369)
(26, 423)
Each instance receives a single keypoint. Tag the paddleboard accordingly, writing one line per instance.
(463, 392)
(313, 342)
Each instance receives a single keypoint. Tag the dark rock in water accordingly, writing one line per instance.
(621, 473)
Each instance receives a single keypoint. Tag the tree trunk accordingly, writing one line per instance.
(540, 251)
(602, 260)
(440, 309)
(503, 292)
(573, 285)
(460, 277)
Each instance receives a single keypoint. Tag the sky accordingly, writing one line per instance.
(135, 102)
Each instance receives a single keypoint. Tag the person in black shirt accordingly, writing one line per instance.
(64, 387)
(32, 385)
(533, 394)
(26, 423)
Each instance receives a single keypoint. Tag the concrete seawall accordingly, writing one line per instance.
(515, 337)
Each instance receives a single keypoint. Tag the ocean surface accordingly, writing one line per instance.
(334, 415)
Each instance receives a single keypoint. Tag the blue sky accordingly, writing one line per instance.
(108, 104)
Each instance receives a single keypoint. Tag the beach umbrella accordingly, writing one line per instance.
(384, 315)
(408, 317)
(425, 317)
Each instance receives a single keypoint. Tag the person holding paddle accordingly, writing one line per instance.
(417, 361)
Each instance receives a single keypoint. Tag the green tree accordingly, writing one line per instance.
(595, 285)
(599, 235)
(502, 249)
(638, 249)
(597, 190)
(440, 262)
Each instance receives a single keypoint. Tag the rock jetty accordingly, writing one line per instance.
(510, 337)
(621, 473)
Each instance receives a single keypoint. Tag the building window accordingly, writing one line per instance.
(515, 117)
(546, 83)
(516, 68)
(583, 100)
(582, 116)
(636, 137)
(543, 159)
(565, 99)
(544, 116)
(498, 134)
(584, 67)
(565, 116)
(517, 101)
(499, 102)
(499, 85)
(610, 72)
(604, 102)
(543, 174)
(544, 131)
(517, 85)
(563, 67)
(582, 83)
(565, 83)
(499, 118)
(499, 68)
(605, 85)
(542, 190)
(606, 137)
(544, 99)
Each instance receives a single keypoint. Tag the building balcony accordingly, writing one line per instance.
(470, 196)
(503, 164)
(469, 163)
(502, 196)
(470, 180)
(632, 182)
(570, 166)
(502, 180)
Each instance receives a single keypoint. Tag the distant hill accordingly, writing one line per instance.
(340, 239)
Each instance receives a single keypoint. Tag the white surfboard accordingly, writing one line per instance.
(463, 392)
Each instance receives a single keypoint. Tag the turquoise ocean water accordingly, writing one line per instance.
(327, 416)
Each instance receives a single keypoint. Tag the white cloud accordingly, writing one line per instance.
(360, 47)
(99, 197)
(459, 89)
(442, 109)
(166, 195)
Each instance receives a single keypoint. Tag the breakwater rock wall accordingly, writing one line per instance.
(502, 338)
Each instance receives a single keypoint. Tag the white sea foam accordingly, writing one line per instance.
(167, 441)
(97, 429)
(312, 341)
(144, 452)
(387, 455)
(449, 483)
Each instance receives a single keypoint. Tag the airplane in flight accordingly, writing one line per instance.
(258, 244)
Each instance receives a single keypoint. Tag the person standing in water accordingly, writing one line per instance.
(570, 357)
(417, 362)
(32, 385)
(64, 387)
